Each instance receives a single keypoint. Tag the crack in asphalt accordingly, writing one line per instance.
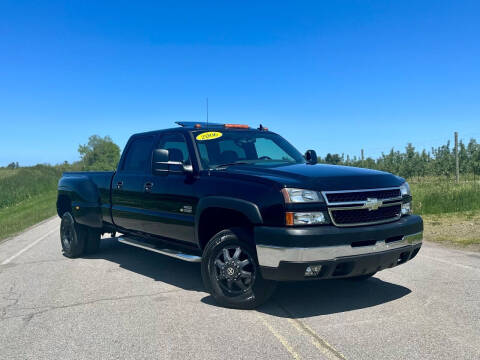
(10, 295)
(43, 309)
(11, 265)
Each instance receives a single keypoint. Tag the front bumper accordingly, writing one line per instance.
(285, 253)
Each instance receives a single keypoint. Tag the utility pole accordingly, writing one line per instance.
(362, 158)
(457, 164)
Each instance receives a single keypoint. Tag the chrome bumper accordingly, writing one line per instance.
(271, 256)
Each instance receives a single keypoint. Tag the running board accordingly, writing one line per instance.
(169, 252)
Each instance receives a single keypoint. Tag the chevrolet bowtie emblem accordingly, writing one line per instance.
(372, 204)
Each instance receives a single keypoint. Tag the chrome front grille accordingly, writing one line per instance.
(363, 207)
(358, 197)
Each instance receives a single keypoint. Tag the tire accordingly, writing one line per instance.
(92, 244)
(73, 236)
(227, 260)
(362, 277)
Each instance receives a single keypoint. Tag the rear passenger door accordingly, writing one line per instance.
(129, 183)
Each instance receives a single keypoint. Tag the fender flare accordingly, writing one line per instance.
(247, 208)
(85, 200)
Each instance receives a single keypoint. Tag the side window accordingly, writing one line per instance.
(177, 147)
(139, 155)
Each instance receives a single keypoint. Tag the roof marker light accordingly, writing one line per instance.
(237, 126)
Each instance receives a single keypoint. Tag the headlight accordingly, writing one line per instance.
(406, 208)
(405, 189)
(406, 194)
(292, 195)
(306, 218)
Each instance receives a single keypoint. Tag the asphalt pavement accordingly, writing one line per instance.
(128, 303)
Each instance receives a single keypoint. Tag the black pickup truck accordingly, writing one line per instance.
(247, 205)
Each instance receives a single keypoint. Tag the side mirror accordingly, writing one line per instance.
(161, 163)
(311, 157)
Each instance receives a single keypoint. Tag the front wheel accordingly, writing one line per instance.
(230, 271)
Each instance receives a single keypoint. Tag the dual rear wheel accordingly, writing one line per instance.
(76, 239)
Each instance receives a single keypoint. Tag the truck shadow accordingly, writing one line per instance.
(291, 300)
(159, 267)
(306, 299)
(314, 298)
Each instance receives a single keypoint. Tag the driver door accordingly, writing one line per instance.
(171, 200)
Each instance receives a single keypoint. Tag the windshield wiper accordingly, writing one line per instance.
(250, 162)
(231, 164)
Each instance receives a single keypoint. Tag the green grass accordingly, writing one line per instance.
(18, 217)
(7, 172)
(27, 183)
(451, 211)
(27, 196)
(440, 196)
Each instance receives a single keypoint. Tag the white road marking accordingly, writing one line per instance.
(452, 263)
(26, 248)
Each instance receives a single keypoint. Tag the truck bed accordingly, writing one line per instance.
(101, 178)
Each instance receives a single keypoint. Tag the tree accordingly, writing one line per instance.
(411, 162)
(99, 154)
(334, 159)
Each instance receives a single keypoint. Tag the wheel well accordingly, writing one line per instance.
(64, 204)
(214, 220)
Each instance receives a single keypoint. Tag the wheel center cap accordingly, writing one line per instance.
(230, 271)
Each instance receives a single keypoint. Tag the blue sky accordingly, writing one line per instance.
(335, 76)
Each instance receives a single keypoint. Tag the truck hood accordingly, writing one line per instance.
(320, 177)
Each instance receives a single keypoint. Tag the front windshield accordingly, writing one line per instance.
(222, 148)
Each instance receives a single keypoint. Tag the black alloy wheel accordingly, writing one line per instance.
(230, 271)
(72, 236)
(235, 270)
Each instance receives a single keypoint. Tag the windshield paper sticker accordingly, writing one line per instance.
(209, 135)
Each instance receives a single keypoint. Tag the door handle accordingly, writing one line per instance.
(148, 186)
(119, 184)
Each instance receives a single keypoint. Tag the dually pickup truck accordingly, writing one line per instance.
(245, 204)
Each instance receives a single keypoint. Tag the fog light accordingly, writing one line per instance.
(313, 270)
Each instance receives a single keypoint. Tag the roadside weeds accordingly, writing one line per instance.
(459, 230)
